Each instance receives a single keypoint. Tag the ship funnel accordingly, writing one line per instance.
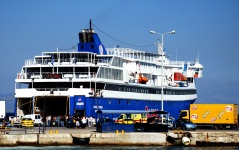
(90, 42)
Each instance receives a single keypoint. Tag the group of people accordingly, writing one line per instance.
(61, 121)
(83, 122)
(54, 120)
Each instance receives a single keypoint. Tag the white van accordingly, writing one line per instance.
(35, 117)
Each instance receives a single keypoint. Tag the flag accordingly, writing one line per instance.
(52, 60)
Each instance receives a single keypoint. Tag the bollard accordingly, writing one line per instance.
(116, 131)
(122, 131)
(56, 131)
(50, 132)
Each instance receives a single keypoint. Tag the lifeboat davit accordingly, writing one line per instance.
(143, 80)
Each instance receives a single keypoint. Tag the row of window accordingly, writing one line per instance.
(150, 103)
(125, 88)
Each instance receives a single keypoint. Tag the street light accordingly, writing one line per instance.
(162, 63)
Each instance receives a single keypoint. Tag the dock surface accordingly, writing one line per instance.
(72, 136)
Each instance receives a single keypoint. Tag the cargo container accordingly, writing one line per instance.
(219, 116)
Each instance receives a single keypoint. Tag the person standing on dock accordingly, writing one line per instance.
(62, 121)
(84, 121)
(90, 122)
(44, 120)
(77, 122)
(49, 121)
(58, 120)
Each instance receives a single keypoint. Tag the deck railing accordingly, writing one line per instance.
(64, 75)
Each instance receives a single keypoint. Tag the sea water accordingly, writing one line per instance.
(118, 148)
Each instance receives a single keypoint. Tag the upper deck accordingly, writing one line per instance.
(79, 58)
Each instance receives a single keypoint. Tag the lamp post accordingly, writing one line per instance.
(162, 62)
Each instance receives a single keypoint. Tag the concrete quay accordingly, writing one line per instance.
(64, 136)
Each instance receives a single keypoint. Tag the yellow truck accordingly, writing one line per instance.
(220, 116)
(131, 118)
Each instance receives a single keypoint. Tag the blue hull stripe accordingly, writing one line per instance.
(89, 105)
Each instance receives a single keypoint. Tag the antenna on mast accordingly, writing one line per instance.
(198, 55)
(197, 59)
(90, 25)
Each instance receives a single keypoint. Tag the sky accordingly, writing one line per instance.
(207, 30)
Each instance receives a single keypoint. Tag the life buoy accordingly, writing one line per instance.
(195, 75)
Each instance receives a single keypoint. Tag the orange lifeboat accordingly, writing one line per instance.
(179, 77)
(142, 80)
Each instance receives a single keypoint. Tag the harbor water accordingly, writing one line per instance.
(86, 147)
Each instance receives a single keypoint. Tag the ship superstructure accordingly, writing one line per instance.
(93, 78)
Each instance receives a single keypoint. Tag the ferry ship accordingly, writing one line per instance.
(97, 78)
